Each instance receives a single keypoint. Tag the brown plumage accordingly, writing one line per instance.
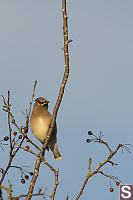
(39, 123)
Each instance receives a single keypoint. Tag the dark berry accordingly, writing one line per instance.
(111, 189)
(26, 177)
(15, 133)
(88, 140)
(22, 181)
(31, 173)
(6, 138)
(27, 147)
(117, 183)
(90, 133)
(20, 137)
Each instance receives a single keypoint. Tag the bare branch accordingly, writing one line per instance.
(9, 125)
(19, 129)
(109, 176)
(89, 167)
(28, 115)
(25, 195)
(8, 190)
(25, 149)
(95, 171)
(57, 105)
(10, 115)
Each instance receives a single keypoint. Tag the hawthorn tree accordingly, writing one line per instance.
(16, 140)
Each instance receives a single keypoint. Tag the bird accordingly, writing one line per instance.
(39, 123)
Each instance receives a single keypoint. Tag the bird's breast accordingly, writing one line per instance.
(39, 127)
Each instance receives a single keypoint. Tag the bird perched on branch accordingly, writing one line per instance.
(40, 122)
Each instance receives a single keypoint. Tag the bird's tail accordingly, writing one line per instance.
(55, 151)
(57, 156)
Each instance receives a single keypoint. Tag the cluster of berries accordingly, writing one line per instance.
(6, 138)
(112, 189)
(88, 141)
(26, 178)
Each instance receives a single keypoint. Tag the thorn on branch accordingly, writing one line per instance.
(124, 147)
(68, 41)
(1, 170)
(112, 163)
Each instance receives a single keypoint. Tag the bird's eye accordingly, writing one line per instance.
(42, 103)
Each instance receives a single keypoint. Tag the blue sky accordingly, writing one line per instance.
(98, 95)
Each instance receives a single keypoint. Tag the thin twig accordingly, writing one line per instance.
(11, 149)
(19, 129)
(28, 115)
(8, 190)
(25, 195)
(9, 125)
(55, 186)
(90, 174)
(89, 167)
(99, 140)
(46, 163)
(109, 176)
(7, 109)
(28, 150)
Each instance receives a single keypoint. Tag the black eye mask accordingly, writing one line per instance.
(43, 103)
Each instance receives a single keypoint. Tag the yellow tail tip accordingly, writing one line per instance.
(58, 158)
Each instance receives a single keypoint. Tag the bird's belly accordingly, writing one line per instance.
(40, 129)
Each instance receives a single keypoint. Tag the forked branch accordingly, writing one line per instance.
(108, 159)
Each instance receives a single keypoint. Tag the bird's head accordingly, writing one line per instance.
(41, 102)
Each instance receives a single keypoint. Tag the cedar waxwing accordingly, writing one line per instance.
(39, 123)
